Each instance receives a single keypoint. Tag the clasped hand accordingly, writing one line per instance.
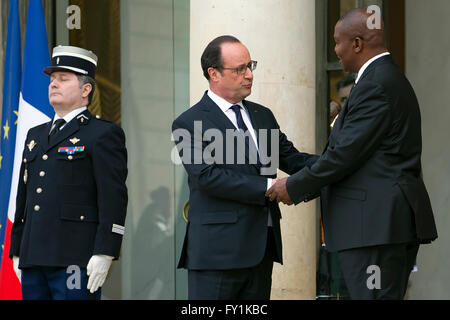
(278, 192)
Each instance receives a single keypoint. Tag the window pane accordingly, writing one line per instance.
(105, 43)
(340, 85)
(336, 9)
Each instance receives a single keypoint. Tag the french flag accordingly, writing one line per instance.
(34, 109)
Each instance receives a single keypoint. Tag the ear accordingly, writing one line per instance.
(213, 74)
(86, 89)
(358, 45)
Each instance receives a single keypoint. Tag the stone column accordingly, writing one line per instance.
(429, 74)
(280, 35)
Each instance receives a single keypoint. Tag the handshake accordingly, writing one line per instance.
(278, 191)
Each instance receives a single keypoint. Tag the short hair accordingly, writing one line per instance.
(346, 81)
(212, 55)
(82, 79)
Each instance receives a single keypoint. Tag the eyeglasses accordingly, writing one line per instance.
(242, 69)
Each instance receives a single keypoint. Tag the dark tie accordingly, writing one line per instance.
(240, 121)
(58, 124)
(241, 125)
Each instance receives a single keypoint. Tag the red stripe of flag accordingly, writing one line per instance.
(9, 283)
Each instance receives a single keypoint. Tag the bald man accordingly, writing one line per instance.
(375, 207)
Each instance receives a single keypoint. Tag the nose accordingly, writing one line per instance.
(248, 73)
(53, 83)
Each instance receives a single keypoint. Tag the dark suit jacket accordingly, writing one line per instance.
(81, 196)
(228, 211)
(370, 171)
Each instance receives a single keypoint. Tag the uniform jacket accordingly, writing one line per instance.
(72, 197)
(228, 213)
(369, 175)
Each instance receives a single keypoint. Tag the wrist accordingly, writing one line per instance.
(106, 256)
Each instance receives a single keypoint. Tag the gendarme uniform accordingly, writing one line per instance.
(72, 197)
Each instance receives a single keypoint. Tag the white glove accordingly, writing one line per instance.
(16, 268)
(97, 270)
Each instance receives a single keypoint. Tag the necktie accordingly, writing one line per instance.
(240, 121)
(58, 124)
(241, 125)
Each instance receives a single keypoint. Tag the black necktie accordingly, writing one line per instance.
(241, 125)
(240, 121)
(58, 124)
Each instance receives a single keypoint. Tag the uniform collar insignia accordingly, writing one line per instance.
(82, 119)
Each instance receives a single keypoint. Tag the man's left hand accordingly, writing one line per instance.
(97, 270)
(278, 192)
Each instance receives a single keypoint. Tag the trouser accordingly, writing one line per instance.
(378, 272)
(252, 283)
(56, 283)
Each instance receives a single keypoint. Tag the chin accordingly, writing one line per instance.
(349, 69)
(55, 102)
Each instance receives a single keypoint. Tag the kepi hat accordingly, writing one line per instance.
(73, 59)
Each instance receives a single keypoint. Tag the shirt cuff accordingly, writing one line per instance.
(269, 183)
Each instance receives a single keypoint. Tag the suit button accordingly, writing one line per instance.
(25, 160)
(23, 221)
(38, 190)
(82, 218)
(44, 157)
(37, 208)
(42, 173)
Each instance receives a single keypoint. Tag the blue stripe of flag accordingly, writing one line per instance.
(11, 91)
(35, 58)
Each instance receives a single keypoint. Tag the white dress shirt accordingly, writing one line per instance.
(72, 114)
(225, 106)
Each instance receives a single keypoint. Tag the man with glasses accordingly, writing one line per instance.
(233, 233)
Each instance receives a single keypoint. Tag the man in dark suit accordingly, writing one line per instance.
(233, 234)
(72, 197)
(375, 207)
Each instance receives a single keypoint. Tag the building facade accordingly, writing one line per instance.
(149, 72)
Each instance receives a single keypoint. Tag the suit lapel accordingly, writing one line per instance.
(215, 115)
(339, 120)
(255, 120)
(43, 135)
